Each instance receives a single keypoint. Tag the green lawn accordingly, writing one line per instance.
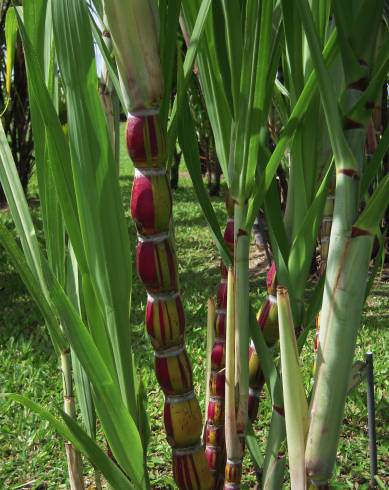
(31, 452)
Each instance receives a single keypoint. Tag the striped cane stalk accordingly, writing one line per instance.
(135, 39)
(214, 430)
(156, 263)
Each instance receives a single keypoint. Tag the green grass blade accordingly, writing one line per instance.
(72, 432)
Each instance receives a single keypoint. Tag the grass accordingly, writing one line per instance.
(31, 454)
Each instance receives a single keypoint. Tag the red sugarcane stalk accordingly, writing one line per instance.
(214, 431)
(156, 264)
(268, 322)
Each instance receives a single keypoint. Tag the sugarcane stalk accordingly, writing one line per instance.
(214, 431)
(211, 317)
(345, 285)
(134, 31)
(267, 319)
(109, 99)
(241, 263)
(233, 469)
(73, 457)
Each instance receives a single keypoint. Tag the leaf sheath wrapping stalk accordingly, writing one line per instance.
(295, 402)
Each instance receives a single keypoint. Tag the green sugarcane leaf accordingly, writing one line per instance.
(342, 12)
(119, 427)
(35, 289)
(193, 47)
(11, 34)
(188, 142)
(169, 13)
(295, 401)
(371, 168)
(294, 47)
(232, 14)
(344, 158)
(81, 381)
(369, 220)
(253, 447)
(36, 12)
(274, 464)
(221, 48)
(329, 53)
(266, 69)
(18, 206)
(108, 61)
(358, 27)
(239, 151)
(58, 150)
(268, 61)
(362, 109)
(303, 246)
(72, 432)
(212, 84)
(98, 198)
(379, 260)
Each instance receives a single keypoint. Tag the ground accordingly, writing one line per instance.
(31, 454)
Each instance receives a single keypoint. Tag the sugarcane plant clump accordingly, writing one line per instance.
(86, 307)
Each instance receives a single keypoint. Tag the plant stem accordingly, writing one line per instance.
(242, 317)
(73, 457)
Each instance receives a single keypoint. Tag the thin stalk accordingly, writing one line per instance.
(109, 99)
(242, 320)
(233, 446)
(210, 340)
(73, 457)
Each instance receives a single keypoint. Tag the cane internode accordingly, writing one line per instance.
(165, 320)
